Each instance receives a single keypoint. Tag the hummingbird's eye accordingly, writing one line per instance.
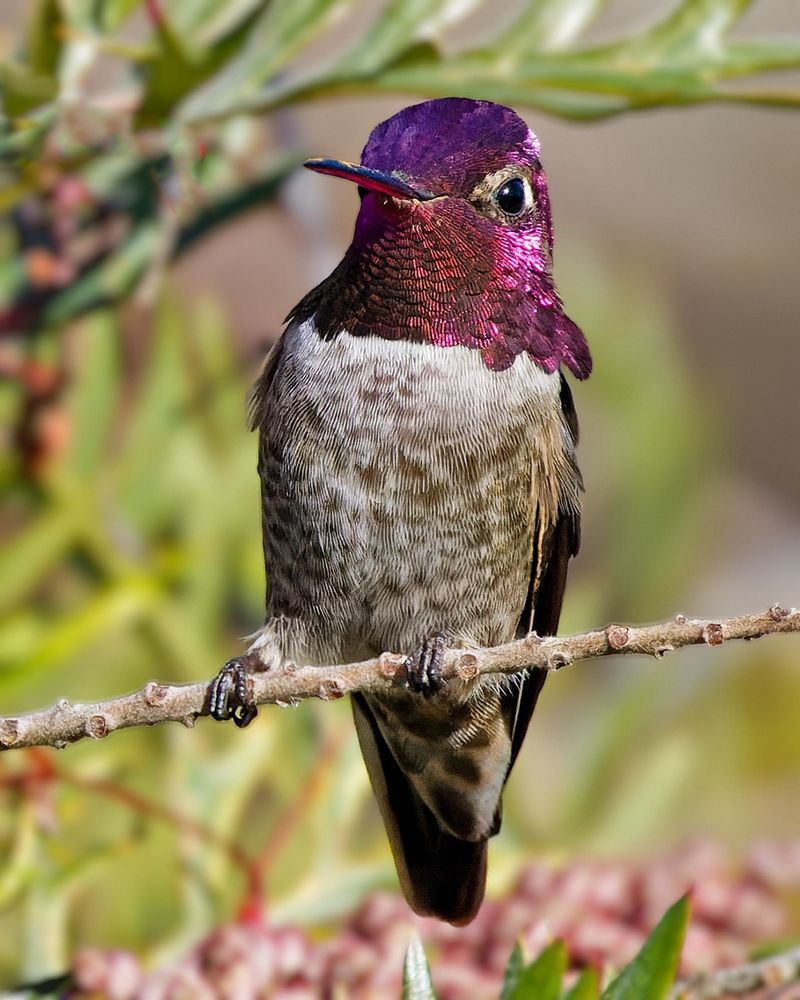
(512, 197)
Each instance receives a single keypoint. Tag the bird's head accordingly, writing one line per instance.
(454, 238)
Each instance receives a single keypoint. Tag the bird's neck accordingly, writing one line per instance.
(412, 273)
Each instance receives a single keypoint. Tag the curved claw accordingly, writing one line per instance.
(424, 667)
(229, 695)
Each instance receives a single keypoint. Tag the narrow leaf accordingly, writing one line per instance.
(92, 396)
(276, 35)
(417, 983)
(27, 557)
(200, 26)
(114, 12)
(541, 980)
(548, 25)
(110, 280)
(44, 37)
(516, 964)
(402, 26)
(584, 988)
(653, 970)
(23, 90)
(172, 74)
(695, 26)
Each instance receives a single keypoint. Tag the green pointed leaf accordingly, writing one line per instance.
(695, 25)
(404, 24)
(653, 970)
(276, 35)
(27, 557)
(548, 25)
(23, 89)
(114, 12)
(541, 980)
(742, 57)
(417, 984)
(80, 15)
(110, 612)
(681, 59)
(516, 963)
(550, 87)
(158, 432)
(262, 189)
(20, 139)
(774, 947)
(93, 394)
(109, 280)
(175, 73)
(44, 37)
(199, 25)
(584, 988)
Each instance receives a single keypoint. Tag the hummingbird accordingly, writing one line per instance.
(419, 482)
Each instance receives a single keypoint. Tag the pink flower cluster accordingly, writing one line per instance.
(602, 910)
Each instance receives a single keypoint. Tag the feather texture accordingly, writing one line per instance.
(409, 489)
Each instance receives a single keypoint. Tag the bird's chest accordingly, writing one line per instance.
(401, 483)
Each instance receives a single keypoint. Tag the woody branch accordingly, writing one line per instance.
(155, 703)
(743, 980)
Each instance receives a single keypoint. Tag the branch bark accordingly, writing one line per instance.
(743, 980)
(155, 703)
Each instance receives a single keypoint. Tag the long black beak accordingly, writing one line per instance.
(366, 177)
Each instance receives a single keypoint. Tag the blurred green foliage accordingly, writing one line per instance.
(648, 976)
(130, 502)
(152, 106)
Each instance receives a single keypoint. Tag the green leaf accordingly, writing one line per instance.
(403, 25)
(516, 963)
(20, 139)
(156, 427)
(109, 280)
(650, 975)
(584, 988)
(774, 947)
(417, 984)
(274, 37)
(20, 860)
(548, 25)
(27, 557)
(114, 12)
(262, 189)
(694, 26)
(81, 15)
(173, 73)
(541, 980)
(743, 57)
(93, 394)
(199, 25)
(44, 36)
(23, 89)
(549, 87)
(109, 613)
(682, 59)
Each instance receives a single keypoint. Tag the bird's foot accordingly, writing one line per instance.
(230, 695)
(424, 667)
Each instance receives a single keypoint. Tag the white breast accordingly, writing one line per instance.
(402, 483)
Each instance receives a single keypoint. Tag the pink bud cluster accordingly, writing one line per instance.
(602, 910)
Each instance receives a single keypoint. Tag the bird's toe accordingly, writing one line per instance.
(230, 695)
(424, 666)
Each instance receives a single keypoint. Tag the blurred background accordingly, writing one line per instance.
(156, 229)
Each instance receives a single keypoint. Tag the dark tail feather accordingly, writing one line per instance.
(440, 875)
